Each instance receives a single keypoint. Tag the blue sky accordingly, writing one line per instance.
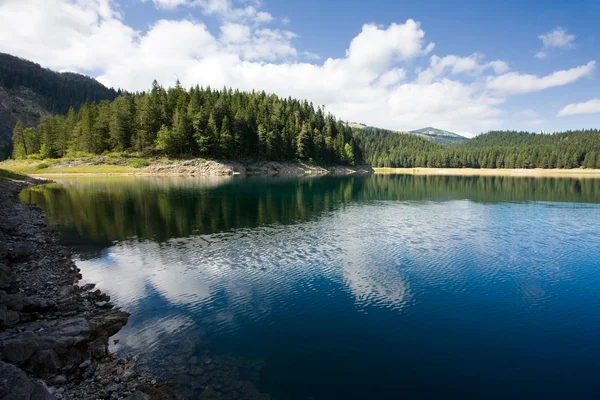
(465, 66)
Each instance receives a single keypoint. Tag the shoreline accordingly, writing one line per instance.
(530, 173)
(54, 333)
(193, 167)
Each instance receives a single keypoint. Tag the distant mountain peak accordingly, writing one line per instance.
(439, 135)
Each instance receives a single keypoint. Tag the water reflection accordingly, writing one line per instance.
(295, 287)
(103, 210)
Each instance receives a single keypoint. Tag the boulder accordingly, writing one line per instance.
(15, 385)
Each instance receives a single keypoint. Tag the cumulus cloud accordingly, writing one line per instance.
(589, 107)
(516, 83)
(375, 82)
(555, 39)
(375, 48)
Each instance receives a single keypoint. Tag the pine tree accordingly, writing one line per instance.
(19, 145)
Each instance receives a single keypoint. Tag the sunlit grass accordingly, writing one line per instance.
(34, 167)
(4, 174)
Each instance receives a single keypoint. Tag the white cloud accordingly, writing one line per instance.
(234, 33)
(589, 107)
(373, 83)
(224, 9)
(440, 66)
(374, 48)
(516, 83)
(555, 39)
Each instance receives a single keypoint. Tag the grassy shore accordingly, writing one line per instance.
(10, 175)
(538, 172)
(57, 167)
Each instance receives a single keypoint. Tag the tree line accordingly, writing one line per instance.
(497, 149)
(202, 122)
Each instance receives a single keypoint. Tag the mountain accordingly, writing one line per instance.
(439, 136)
(29, 91)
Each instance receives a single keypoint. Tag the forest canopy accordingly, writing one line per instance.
(497, 149)
(200, 122)
(228, 124)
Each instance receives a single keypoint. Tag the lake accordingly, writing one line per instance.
(360, 287)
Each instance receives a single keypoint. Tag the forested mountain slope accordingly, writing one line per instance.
(502, 149)
(28, 92)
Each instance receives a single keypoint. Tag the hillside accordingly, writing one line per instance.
(573, 149)
(439, 136)
(28, 92)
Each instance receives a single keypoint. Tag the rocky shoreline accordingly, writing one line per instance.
(54, 333)
(198, 167)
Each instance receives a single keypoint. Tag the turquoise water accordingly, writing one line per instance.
(374, 287)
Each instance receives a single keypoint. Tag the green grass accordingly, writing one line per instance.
(139, 163)
(4, 174)
(48, 167)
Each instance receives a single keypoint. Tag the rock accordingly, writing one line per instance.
(19, 349)
(137, 395)
(60, 379)
(104, 304)
(115, 387)
(8, 317)
(6, 275)
(22, 250)
(15, 385)
(85, 364)
(4, 250)
(89, 372)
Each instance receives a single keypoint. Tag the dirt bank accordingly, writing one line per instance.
(54, 333)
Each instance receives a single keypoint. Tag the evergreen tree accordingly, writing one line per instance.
(19, 144)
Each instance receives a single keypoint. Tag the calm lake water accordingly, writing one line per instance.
(377, 287)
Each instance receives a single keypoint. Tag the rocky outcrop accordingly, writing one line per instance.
(198, 167)
(50, 327)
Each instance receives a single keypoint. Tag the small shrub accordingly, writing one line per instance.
(139, 163)
(41, 166)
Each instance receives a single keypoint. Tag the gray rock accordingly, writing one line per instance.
(137, 395)
(20, 349)
(21, 251)
(85, 364)
(6, 275)
(60, 379)
(115, 387)
(89, 372)
(15, 385)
